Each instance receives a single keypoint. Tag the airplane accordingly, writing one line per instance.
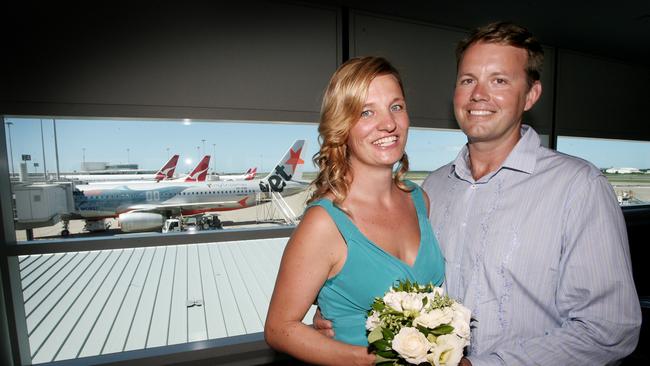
(164, 173)
(199, 173)
(142, 207)
(250, 174)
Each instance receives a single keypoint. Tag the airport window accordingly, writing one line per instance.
(95, 281)
(625, 163)
(112, 168)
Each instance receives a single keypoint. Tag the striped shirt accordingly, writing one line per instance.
(538, 251)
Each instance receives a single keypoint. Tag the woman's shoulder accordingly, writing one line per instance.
(316, 223)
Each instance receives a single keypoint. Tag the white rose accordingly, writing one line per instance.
(412, 345)
(373, 321)
(461, 329)
(394, 299)
(434, 318)
(447, 351)
(461, 312)
(412, 302)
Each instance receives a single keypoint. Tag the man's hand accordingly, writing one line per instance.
(323, 325)
(464, 362)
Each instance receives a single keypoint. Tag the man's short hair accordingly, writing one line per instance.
(508, 34)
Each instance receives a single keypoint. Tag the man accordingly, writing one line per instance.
(534, 240)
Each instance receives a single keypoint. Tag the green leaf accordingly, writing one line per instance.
(381, 345)
(380, 359)
(387, 354)
(424, 330)
(375, 335)
(387, 334)
(442, 329)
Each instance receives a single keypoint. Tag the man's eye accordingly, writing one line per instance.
(366, 114)
(500, 81)
(465, 81)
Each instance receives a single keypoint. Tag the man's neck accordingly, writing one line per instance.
(486, 157)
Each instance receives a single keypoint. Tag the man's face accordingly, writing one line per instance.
(492, 92)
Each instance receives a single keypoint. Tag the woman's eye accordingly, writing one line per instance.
(366, 114)
(396, 107)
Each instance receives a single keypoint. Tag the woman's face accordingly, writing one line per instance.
(379, 136)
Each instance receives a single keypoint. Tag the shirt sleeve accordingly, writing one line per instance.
(596, 298)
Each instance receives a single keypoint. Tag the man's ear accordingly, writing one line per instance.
(532, 96)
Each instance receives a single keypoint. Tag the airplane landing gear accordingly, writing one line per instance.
(66, 228)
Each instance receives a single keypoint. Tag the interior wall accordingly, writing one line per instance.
(601, 98)
(246, 60)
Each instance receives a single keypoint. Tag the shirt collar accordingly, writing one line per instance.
(522, 158)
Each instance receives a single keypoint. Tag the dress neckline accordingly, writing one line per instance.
(395, 258)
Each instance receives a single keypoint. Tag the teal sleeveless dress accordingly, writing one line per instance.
(369, 272)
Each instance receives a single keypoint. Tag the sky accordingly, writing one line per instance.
(237, 146)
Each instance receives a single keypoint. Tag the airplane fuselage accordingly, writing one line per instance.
(101, 201)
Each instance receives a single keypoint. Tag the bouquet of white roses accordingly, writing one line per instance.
(415, 324)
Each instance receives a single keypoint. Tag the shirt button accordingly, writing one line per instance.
(473, 186)
(463, 224)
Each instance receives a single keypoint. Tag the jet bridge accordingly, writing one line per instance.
(41, 204)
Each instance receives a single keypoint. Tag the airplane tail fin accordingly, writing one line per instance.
(200, 172)
(289, 168)
(250, 173)
(167, 171)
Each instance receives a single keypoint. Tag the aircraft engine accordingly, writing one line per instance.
(140, 221)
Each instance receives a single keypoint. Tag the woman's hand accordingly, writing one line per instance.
(364, 358)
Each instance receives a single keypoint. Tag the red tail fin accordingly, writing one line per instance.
(250, 174)
(167, 171)
(200, 172)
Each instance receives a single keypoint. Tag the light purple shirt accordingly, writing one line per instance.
(538, 251)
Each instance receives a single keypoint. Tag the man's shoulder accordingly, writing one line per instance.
(437, 176)
(568, 165)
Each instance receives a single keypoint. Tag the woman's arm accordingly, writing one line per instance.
(315, 252)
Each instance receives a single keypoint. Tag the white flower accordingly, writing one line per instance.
(461, 329)
(461, 312)
(412, 302)
(412, 345)
(394, 299)
(373, 321)
(434, 318)
(447, 351)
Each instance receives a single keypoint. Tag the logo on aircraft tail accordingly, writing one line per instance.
(167, 171)
(200, 172)
(285, 170)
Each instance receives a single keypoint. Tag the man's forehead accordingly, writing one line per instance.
(483, 53)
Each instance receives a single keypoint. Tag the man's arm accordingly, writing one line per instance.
(596, 296)
(322, 325)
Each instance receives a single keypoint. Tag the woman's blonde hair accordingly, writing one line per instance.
(342, 105)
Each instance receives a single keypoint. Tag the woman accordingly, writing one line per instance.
(364, 229)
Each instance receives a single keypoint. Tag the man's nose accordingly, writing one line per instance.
(479, 93)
